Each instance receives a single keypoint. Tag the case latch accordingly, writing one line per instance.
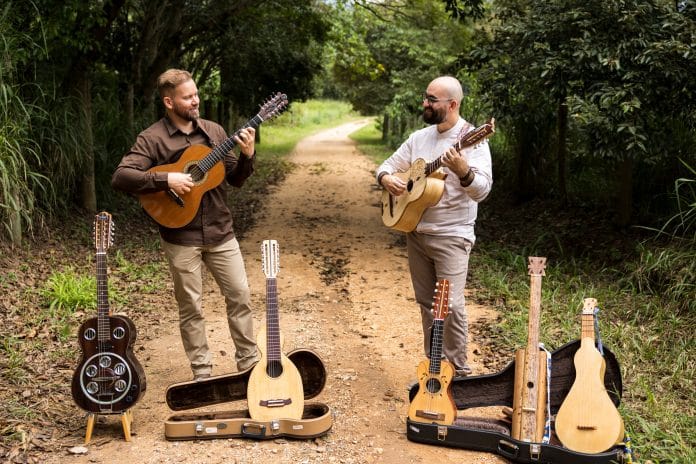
(441, 432)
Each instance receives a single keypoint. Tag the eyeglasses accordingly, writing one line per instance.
(432, 100)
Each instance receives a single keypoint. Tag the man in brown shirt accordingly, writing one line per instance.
(209, 237)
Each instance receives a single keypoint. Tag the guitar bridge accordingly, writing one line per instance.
(432, 415)
(275, 403)
(586, 427)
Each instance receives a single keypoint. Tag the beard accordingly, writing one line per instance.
(433, 116)
(188, 114)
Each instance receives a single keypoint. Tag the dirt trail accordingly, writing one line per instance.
(343, 292)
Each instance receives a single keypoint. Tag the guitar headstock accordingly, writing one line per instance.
(537, 266)
(103, 232)
(441, 299)
(270, 258)
(477, 135)
(588, 306)
(273, 106)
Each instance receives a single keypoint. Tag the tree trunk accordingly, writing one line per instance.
(562, 150)
(88, 192)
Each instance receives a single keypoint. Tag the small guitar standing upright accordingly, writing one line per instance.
(275, 389)
(425, 183)
(434, 402)
(528, 410)
(204, 165)
(588, 420)
(109, 379)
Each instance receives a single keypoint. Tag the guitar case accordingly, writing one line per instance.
(494, 435)
(316, 417)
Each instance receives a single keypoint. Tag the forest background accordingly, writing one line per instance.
(595, 108)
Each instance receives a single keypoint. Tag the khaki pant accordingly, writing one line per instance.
(431, 258)
(227, 267)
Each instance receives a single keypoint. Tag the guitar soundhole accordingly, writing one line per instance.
(90, 334)
(274, 369)
(409, 186)
(106, 378)
(119, 333)
(433, 385)
(196, 172)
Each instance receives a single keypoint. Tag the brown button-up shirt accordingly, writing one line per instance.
(163, 143)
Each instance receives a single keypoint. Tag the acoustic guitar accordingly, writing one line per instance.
(109, 379)
(425, 183)
(529, 400)
(203, 164)
(434, 402)
(275, 388)
(588, 420)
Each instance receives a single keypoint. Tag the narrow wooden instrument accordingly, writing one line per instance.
(203, 163)
(529, 401)
(588, 420)
(109, 379)
(434, 402)
(425, 183)
(275, 388)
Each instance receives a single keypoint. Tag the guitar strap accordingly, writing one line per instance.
(598, 337)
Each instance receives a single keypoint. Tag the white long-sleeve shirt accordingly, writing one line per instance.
(455, 213)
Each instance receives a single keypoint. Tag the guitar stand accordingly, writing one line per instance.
(126, 423)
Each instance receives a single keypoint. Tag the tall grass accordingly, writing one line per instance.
(19, 153)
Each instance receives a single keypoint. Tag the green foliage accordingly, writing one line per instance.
(64, 293)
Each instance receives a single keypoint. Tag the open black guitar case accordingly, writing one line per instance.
(316, 419)
(493, 435)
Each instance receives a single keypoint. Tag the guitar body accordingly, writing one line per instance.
(434, 402)
(405, 211)
(588, 420)
(163, 208)
(275, 388)
(108, 379)
(537, 414)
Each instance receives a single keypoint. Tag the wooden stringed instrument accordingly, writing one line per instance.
(434, 402)
(109, 379)
(425, 183)
(529, 400)
(203, 164)
(275, 388)
(588, 420)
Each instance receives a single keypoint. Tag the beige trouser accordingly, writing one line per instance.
(226, 264)
(431, 258)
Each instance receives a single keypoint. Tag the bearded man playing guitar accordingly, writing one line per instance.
(441, 240)
(209, 237)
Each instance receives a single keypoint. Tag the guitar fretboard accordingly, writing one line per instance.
(273, 353)
(103, 324)
(436, 347)
(219, 152)
(587, 322)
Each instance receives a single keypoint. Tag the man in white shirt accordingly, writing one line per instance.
(439, 247)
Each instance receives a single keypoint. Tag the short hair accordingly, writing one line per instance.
(170, 79)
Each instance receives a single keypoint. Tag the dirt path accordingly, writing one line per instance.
(344, 292)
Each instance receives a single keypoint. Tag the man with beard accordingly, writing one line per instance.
(439, 247)
(209, 238)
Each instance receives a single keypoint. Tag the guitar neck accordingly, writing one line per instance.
(219, 152)
(436, 347)
(468, 139)
(103, 311)
(272, 321)
(588, 330)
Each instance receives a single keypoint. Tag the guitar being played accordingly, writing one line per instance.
(109, 379)
(202, 164)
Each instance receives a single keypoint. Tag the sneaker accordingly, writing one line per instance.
(201, 376)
